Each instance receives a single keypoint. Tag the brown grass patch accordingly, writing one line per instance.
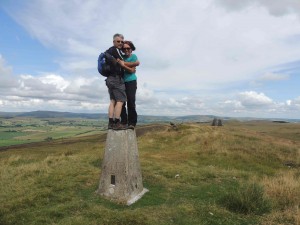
(289, 216)
(284, 189)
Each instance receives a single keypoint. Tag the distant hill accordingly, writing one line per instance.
(103, 116)
(141, 118)
(9, 114)
(54, 114)
(195, 118)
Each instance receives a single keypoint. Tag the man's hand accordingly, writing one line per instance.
(132, 64)
(121, 62)
(133, 70)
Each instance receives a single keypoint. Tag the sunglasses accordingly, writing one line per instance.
(126, 49)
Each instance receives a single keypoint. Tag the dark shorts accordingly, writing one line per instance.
(116, 88)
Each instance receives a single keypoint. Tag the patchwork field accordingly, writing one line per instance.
(16, 130)
(241, 173)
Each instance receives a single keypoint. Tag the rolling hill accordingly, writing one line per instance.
(241, 173)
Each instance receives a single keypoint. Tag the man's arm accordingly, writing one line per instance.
(132, 64)
(115, 53)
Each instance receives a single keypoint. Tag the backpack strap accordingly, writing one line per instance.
(118, 51)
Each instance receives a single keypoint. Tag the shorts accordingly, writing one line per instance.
(116, 88)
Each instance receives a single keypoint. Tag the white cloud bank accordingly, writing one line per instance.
(194, 48)
(79, 94)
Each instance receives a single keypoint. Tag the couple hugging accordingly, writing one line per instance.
(122, 85)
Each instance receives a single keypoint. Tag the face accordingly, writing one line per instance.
(118, 42)
(127, 50)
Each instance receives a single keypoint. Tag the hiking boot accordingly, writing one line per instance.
(119, 126)
(110, 126)
(131, 126)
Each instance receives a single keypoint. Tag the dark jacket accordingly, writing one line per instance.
(115, 67)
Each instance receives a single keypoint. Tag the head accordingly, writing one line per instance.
(128, 47)
(118, 40)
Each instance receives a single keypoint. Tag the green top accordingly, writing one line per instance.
(130, 76)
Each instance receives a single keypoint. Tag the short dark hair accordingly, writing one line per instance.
(130, 44)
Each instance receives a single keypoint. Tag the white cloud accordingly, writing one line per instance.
(58, 81)
(4, 69)
(259, 105)
(197, 48)
(6, 76)
(251, 99)
(275, 7)
(50, 91)
(234, 105)
(53, 91)
(274, 77)
(190, 42)
(294, 104)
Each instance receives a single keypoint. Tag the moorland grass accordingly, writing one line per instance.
(247, 199)
(196, 174)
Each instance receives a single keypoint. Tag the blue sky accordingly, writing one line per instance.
(27, 54)
(219, 57)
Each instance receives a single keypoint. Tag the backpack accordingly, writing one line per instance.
(104, 60)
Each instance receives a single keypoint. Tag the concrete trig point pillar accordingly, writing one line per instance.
(121, 177)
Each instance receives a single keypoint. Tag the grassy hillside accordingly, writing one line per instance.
(242, 173)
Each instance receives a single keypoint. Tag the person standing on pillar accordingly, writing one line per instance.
(115, 83)
(129, 116)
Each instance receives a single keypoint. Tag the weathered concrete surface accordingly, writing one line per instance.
(121, 178)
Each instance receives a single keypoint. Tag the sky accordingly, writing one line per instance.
(209, 57)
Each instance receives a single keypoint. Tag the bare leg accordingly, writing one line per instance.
(118, 109)
(111, 108)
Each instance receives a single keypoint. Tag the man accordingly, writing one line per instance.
(115, 83)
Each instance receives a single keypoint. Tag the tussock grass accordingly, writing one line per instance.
(284, 189)
(197, 174)
(247, 199)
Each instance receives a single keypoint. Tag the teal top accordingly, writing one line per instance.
(130, 76)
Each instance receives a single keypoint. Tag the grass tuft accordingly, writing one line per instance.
(284, 189)
(247, 199)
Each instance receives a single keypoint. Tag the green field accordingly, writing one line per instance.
(241, 173)
(16, 131)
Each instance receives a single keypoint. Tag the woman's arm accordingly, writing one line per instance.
(127, 68)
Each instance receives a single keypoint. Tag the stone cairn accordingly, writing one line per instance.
(173, 126)
(217, 122)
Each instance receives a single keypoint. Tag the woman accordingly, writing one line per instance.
(130, 116)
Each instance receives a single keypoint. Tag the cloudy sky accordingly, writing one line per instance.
(219, 57)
